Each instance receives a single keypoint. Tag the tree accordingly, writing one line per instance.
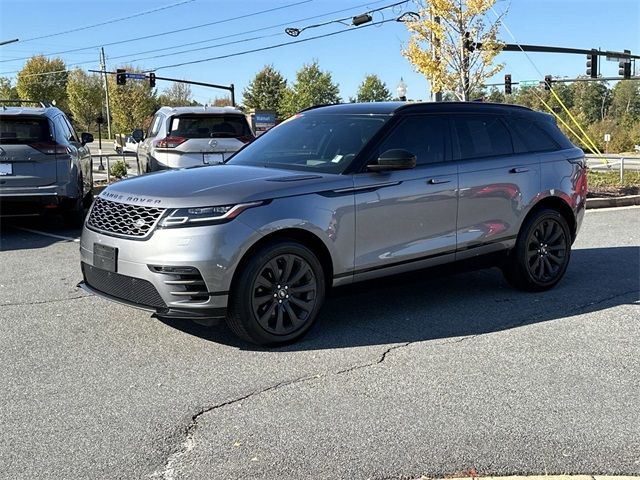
(625, 101)
(84, 93)
(372, 89)
(7, 89)
(497, 96)
(312, 87)
(443, 51)
(177, 95)
(591, 100)
(266, 91)
(43, 79)
(221, 102)
(131, 104)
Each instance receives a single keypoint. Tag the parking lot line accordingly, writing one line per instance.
(46, 234)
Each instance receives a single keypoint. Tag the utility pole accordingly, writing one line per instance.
(435, 49)
(103, 67)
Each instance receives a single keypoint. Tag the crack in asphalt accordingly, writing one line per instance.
(42, 302)
(167, 472)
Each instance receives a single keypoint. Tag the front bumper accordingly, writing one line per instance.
(141, 279)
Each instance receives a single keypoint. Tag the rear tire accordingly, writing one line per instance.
(542, 252)
(277, 294)
(74, 217)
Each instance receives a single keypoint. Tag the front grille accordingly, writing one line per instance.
(133, 290)
(123, 219)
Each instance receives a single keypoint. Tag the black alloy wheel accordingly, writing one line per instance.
(546, 250)
(276, 294)
(284, 294)
(541, 254)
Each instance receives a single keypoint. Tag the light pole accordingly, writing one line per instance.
(7, 42)
(402, 90)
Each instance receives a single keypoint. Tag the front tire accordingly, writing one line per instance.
(277, 294)
(542, 252)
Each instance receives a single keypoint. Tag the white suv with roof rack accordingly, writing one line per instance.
(180, 137)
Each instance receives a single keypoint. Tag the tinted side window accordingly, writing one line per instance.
(154, 128)
(74, 135)
(63, 133)
(423, 136)
(530, 137)
(481, 136)
(554, 132)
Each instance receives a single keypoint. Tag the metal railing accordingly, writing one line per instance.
(612, 163)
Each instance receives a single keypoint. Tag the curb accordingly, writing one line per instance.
(613, 202)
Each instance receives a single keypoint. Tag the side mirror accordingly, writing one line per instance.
(395, 159)
(86, 138)
(137, 135)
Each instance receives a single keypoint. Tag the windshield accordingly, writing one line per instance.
(210, 126)
(313, 142)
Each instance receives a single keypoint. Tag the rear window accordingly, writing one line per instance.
(482, 136)
(210, 126)
(20, 130)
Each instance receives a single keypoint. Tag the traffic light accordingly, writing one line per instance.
(625, 67)
(592, 64)
(548, 80)
(467, 44)
(152, 80)
(121, 76)
(507, 84)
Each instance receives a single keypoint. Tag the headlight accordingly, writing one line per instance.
(191, 217)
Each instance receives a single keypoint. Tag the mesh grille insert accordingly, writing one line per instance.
(123, 219)
(134, 290)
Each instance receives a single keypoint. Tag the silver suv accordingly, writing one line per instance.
(44, 165)
(191, 136)
(336, 195)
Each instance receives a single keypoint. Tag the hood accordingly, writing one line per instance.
(219, 185)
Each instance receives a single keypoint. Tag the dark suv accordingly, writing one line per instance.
(44, 165)
(336, 195)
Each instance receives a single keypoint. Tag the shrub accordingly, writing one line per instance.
(118, 169)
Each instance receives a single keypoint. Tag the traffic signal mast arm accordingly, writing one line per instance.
(121, 79)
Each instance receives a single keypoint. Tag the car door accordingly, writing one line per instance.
(146, 145)
(406, 219)
(82, 156)
(496, 184)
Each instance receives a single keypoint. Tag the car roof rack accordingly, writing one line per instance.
(36, 102)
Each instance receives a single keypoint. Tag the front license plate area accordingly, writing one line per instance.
(6, 169)
(212, 158)
(105, 258)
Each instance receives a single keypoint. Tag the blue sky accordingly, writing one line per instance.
(605, 24)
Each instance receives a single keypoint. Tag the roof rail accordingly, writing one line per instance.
(38, 102)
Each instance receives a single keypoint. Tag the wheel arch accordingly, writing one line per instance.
(304, 237)
(561, 206)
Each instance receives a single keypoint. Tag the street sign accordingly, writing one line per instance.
(607, 137)
(136, 76)
(529, 83)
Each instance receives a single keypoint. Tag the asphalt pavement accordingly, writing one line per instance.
(425, 374)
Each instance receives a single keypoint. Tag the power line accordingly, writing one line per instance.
(223, 37)
(217, 22)
(111, 58)
(245, 52)
(270, 47)
(108, 22)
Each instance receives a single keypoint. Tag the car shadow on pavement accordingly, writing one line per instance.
(27, 233)
(445, 303)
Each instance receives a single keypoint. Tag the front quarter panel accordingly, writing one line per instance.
(327, 215)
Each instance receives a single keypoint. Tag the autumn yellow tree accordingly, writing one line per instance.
(443, 47)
